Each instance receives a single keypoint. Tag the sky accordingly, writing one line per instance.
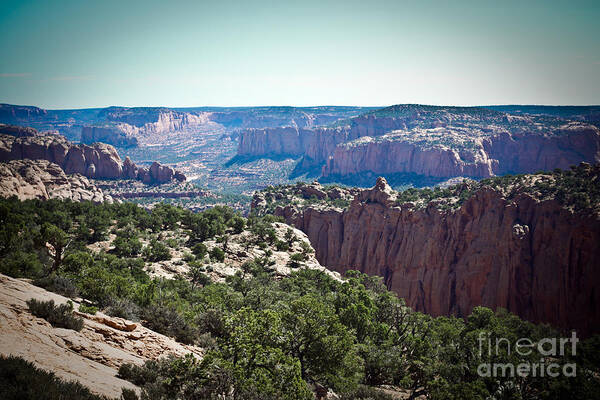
(77, 54)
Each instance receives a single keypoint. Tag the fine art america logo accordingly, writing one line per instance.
(536, 359)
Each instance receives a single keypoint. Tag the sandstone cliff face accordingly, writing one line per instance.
(522, 152)
(147, 120)
(440, 142)
(174, 121)
(390, 157)
(314, 142)
(41, 179)
(113, 136)
(498, 153)
(91, 356)
(100, 161)
(319, 143)
(534, 258)
(277, 141)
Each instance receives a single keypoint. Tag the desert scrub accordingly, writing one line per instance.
(58, 284)
(59, 316)
(84, 308)
(217, 254)
(169, 322)
(156, 251)
(123, 308)
(22, 380)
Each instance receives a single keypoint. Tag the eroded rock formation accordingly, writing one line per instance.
(41, 179)
(100, 161)
(432, 141)
(111, 135)
(18, 131)
(536, 258)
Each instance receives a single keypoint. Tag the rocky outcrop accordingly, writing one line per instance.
(99, 161)
(439, 142)
(41, 179)
(17, 131)
(91, 356)
(241, 249)
(534, 257)
(110, 135)
(130, 170)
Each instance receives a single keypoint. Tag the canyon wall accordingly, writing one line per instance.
(390, 157)
(288, 141)
(100, 161)
(439, 142)
(534, 258)
(524, 152)
(498, 154)
(315, 143)
(113, 136)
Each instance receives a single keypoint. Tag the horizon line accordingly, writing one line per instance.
(302, 106)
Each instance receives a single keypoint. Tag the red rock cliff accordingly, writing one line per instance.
(439, 142)
(99, 161)
(426, 152)
(534, 258)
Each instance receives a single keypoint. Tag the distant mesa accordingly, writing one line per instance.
(127, 126)
(11, 114)
(435, 141)
(406, 143)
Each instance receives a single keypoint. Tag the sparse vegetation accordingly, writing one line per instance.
(22, 380)
(577, 189)
(217, 254)
(84, 308)
(157, 251)
(60, 316)
(348, 336)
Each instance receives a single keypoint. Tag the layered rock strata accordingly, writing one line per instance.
(534, 257)
(99, 161)
(432, 141)
(41, 179)
(109, 135)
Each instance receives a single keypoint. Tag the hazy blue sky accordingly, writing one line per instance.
(70, 54)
